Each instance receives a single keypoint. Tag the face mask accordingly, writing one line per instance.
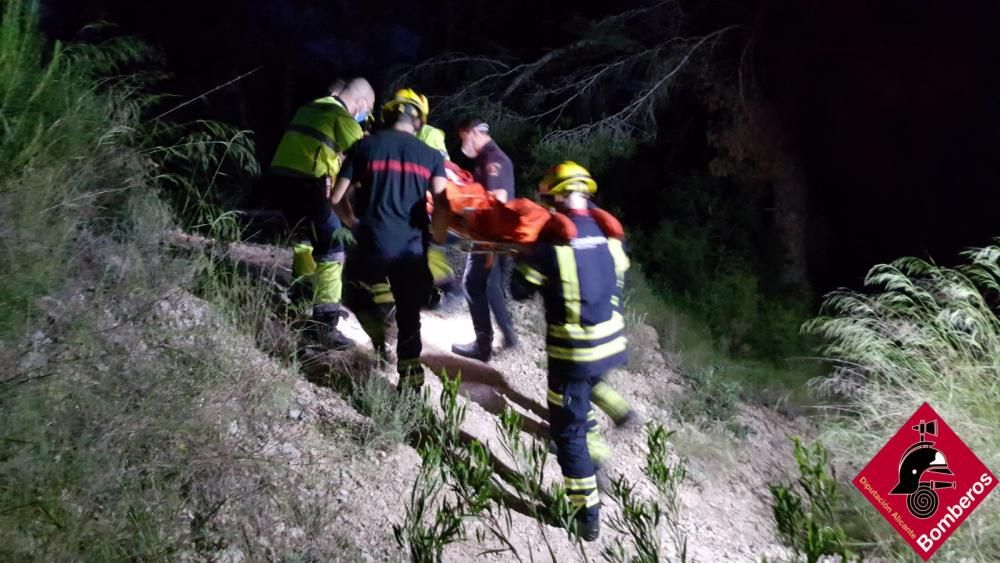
(361, 116)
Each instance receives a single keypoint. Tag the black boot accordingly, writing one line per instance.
(588, 521)
(477, 350)
(323, 329)
(629, 421)
(511, 342)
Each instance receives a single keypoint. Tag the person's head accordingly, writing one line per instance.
(475, 134)
(567, 185)
(406, 111)
(359, 98)
(337, 87)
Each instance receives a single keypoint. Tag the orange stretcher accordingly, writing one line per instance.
(485, 222)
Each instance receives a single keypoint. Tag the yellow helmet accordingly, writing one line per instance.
(407, 97)
(565, 177)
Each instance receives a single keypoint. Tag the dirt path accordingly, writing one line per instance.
(726, 510)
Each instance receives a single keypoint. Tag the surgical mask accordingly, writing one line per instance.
(361, 116)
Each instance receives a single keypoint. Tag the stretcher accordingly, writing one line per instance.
(483, 224)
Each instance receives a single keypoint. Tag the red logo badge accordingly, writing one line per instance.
(925, 481)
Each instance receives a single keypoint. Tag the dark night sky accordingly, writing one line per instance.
(892, 104)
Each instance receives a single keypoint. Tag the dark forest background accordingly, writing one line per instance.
(801, 143)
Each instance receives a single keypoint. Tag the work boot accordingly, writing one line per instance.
(588, 524)
(511, 342)
(411, 376)
(434, 299)
(629, 421)
(323, 330)
(476, 350)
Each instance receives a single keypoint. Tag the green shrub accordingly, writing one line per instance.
(708, 255)
(808, 521)
(640, 520)
(711, 400)
(431, 522)
(394, 417)
(777, 334)
(596, 152)
(731, 304)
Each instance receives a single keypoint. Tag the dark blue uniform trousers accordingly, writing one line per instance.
(484, 291)
(569, 423)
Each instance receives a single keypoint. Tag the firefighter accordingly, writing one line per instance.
(580, 281)
(304, 165)
(441, 270)
(484, 271)
(388, 174)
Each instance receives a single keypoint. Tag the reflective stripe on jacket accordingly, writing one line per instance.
(581, 284)
(319, 133)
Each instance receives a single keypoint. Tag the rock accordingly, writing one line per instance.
(232, 554)
(289, 451)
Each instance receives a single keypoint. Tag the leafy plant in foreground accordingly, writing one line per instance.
(640, 520)
(808, 524)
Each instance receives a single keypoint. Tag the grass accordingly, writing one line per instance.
(55, 147)
(921, 332)
(717, 382)
(107, 434)
(393, 417)
(127, 392)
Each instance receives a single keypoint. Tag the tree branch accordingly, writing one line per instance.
(546, 59)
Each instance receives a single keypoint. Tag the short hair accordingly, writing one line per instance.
(411, 115)
(474, 123)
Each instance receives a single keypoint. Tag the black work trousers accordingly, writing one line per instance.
(411, 284)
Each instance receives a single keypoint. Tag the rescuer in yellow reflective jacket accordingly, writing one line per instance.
(304, 165)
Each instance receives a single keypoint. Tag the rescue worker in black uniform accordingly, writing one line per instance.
(484, 271)
(389, 174)
(302, 171)
(581, 283)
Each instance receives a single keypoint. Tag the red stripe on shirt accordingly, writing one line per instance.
(397, 166)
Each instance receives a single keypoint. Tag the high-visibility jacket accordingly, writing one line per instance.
(319, 133)
(581, 281)
(434, 138)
